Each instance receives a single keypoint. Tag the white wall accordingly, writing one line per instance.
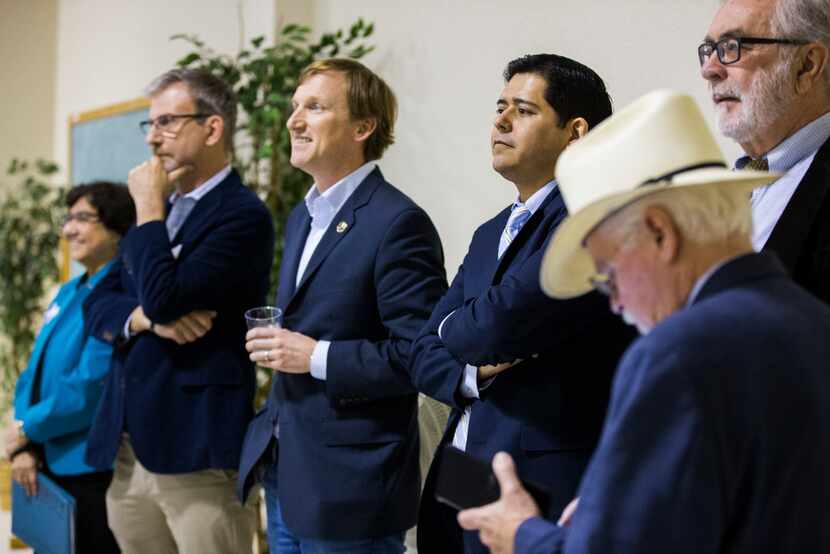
(444, 60)
(109, 50)
(27, 74)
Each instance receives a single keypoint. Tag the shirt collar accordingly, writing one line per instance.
(536, 199)
(92, 280)
(200, 191)
(796, 147)
(703, 279)
(323, 207)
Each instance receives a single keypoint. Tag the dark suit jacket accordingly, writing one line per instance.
(184, 407)
(718, 431)
(348, 452)
(547, 411)
(801, 238)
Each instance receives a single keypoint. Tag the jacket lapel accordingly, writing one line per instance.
(295, 238)
(202, 213)
(547, 208)
(791, 231)
(340, 226)
(45, 334)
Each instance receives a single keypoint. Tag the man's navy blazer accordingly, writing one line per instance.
(348, 446)
(718, 431)
(547, 411)
(185, 407)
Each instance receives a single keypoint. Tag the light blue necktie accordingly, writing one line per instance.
(518, 217)
(178, 214)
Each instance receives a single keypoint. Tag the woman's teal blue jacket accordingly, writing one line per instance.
(74, 366)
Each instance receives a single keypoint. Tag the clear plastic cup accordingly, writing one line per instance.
(263, 316)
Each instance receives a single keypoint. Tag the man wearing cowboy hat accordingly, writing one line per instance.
(717, 434)
(766, 63)
(547, 409)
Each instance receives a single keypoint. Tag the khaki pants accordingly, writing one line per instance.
(186, 513)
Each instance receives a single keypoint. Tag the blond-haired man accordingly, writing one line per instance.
(362, 268)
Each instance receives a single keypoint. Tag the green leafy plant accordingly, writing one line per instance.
(264, 78)
(30, 212)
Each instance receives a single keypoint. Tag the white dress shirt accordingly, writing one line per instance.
(322, 207)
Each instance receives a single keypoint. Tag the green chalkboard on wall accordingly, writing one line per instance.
(105, 144)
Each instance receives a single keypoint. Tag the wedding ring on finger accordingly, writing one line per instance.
(267, 355)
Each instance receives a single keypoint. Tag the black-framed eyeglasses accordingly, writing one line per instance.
(164, 122)
(605, 283)
(729, 48)
(80, 217)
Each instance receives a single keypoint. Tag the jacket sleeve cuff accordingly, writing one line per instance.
(538, 535)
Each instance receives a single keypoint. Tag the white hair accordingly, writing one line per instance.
(702, 214)
(803, 19)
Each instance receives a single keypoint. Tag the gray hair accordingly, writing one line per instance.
(211, 94)
(703, 214)
(803, 19)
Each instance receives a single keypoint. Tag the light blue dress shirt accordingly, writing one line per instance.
(196, 194)
(322, 207)
(199, 192)
(792, 158)
(469, 385)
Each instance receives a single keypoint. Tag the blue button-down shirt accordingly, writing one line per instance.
(792, 158)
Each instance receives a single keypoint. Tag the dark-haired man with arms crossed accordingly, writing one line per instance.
(546, 408)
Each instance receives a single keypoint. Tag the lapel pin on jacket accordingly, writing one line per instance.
(342, 226)
(659, 142)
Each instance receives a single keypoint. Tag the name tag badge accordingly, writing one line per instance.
(51, 312)
(176, 250)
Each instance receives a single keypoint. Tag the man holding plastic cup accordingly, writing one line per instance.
(362, 269)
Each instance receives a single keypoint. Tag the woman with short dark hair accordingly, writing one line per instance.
(56, 397)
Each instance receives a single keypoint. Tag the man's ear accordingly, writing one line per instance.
(216, 127)
(663, 232)
(810, 66)
(577, 127)
(364, 129)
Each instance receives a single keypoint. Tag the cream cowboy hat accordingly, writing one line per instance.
(659, 142)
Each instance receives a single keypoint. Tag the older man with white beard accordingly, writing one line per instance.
(766, 62)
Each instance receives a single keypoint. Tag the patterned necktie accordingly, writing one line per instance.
(518, 217)
(761, 164)
(178, 213)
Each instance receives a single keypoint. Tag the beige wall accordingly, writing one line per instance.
(27, 74)
(108, 50)
(444, 60)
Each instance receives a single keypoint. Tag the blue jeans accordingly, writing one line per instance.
(282, 541)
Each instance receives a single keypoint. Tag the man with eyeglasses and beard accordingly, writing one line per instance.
(180, 392)
(767, 67)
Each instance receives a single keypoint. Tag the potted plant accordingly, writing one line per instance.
(264, 78)
(30, 213)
